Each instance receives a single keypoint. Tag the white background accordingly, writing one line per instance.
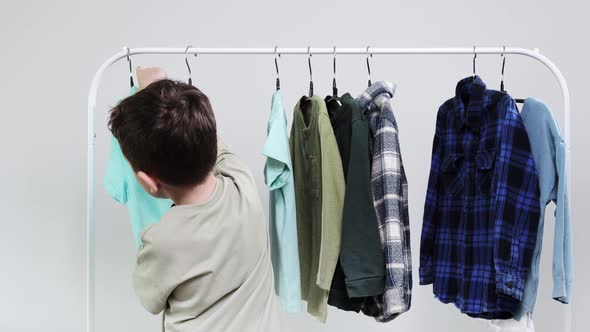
(49, 51)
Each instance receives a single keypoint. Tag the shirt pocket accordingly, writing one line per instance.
(484, 162)
(453, 175)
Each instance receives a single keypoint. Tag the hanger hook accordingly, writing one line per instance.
(188, 66)
(334, 87)
(130, 67)
(277, 55)
(310, 71)
(474, 57)
(503, 66)
(369, 65)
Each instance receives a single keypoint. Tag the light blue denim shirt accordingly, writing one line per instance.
(549, 153)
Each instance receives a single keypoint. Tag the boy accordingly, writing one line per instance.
(207, 263)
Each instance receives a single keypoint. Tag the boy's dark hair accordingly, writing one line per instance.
(167, 130)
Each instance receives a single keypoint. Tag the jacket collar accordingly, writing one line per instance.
(473, 89)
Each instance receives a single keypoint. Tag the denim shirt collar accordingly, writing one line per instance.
(473, 88)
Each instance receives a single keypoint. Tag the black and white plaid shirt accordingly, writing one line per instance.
(390, 198)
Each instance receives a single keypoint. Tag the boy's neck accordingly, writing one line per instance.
(198, 194)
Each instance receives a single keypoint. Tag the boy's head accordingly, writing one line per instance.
(167, 132)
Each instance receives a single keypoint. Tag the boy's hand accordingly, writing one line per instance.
(148, 75)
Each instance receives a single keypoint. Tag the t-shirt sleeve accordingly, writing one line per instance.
(153, 281)
(276, 150)
(115, 181)
(231, 166)
(562, 240)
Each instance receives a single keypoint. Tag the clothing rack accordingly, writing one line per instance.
(97, 79)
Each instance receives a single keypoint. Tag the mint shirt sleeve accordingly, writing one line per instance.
(562, 241)
(115, 181)
(276, 150)
(276, 167)
(276, 173)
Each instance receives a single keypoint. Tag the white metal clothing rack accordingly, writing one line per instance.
(97, 79)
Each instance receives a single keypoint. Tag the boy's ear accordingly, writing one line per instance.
(149, 184)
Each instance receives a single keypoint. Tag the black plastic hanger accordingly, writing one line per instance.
(278, 84)
(503, 55)
(305, 101)
(369, 66)
(190, 73)
(334, 97)
(474, 57)
(130, 68)
(334, 88)
(310, 71)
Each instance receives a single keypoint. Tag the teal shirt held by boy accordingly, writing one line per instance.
(120, 183)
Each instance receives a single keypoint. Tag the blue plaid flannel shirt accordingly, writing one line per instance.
(482, 204)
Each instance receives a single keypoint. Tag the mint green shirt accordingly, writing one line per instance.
(120, 183)
(278, 175)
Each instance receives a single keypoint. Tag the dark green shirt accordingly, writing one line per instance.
(360, 273)
(340, 118)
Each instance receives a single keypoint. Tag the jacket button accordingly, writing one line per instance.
(510, 285)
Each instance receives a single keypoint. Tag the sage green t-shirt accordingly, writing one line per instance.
(207, 266)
